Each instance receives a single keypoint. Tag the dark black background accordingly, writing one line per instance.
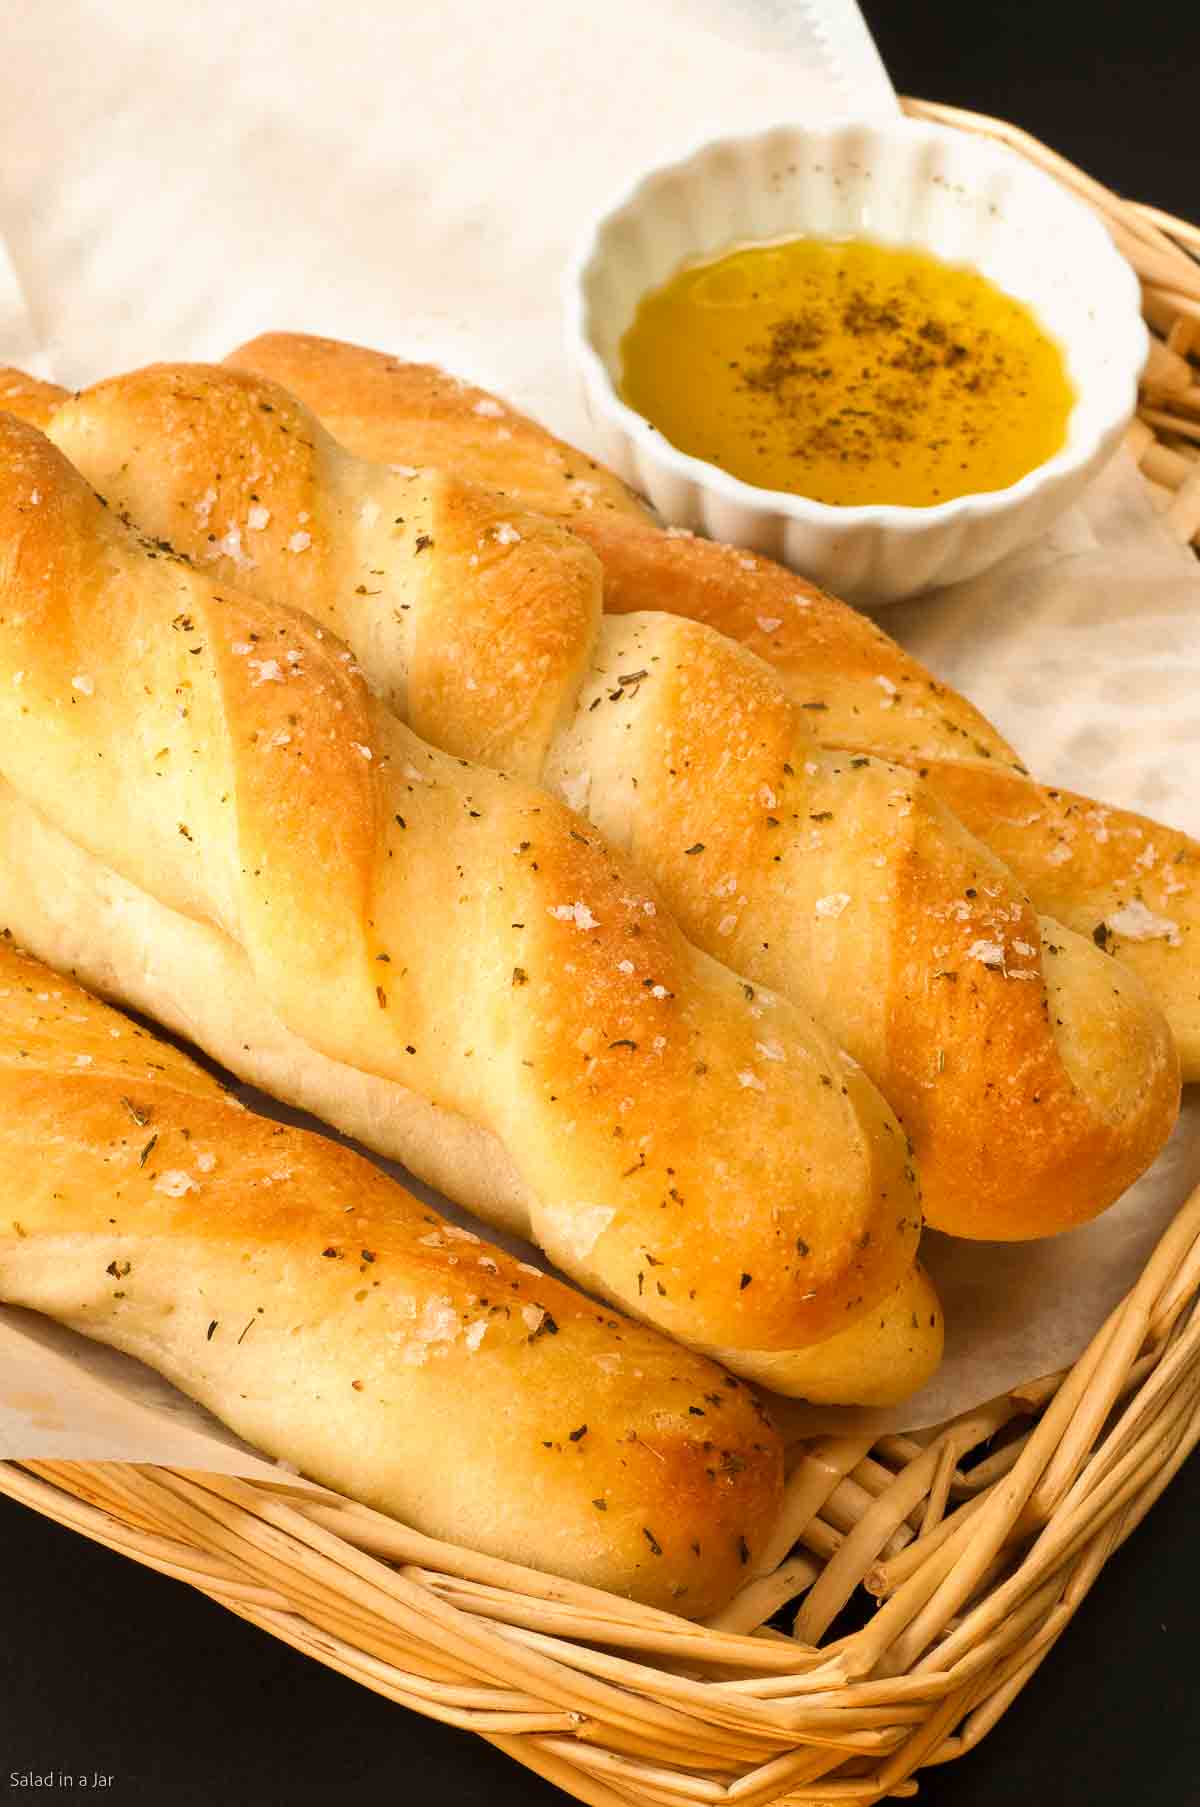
(104, 1666)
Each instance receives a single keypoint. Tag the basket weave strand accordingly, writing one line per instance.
(979, 1539)
(979, 1571)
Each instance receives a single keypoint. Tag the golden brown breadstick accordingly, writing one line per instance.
(1131, 884)
(325, 1315)
(121, 942)
(444, 928)
(28, 397)
(481, 624)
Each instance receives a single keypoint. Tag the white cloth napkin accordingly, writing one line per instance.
(176, 178)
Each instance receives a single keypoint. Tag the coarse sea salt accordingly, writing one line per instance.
(175, 1182)
(1136, 923)
(576, 790)
(231, 545)
(299, 542)
(833, 905)
(578, 913)
(578, 1227)
(437, 1326)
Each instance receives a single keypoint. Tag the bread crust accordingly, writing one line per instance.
(482, 623)
(452, 424)
(862, 691)
(28, 397)
(343, 1327)
(624, 1105)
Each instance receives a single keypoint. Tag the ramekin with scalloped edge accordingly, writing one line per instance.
(965, 199)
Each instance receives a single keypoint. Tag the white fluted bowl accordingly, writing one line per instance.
(904, 183)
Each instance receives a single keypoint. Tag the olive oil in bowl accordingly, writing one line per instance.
(849, 372)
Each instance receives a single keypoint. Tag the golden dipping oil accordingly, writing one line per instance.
(848, 371)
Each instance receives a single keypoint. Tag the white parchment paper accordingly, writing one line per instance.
(175, 178)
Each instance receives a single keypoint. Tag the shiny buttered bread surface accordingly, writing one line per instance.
(329, 1318)
(1035, 1079)
(684, 1142)
(1108, 874)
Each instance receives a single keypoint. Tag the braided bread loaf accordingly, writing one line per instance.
(1035, 1081)
(329, 1318)
(1107, 873)
(686, 1143)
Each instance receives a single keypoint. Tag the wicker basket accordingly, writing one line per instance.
(976, 1541)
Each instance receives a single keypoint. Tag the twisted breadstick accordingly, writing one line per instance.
(1116, 877)
(688, 1143)
(329, 1318)
(28, 397)
(1107, 873)
(87, 920)
(1034, 1093)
